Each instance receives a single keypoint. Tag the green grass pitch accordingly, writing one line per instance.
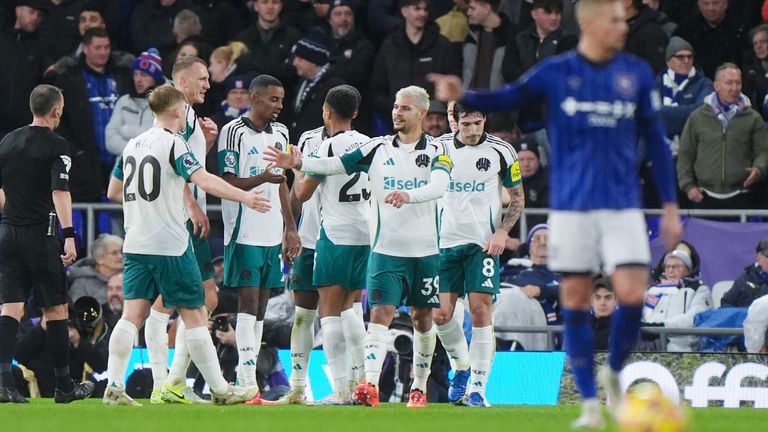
(91, 415)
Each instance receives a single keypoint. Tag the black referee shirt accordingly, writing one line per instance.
(34, 161)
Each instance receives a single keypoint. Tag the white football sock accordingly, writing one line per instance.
(156, 336)
(302, 340)
(245, 335)
(452, 336)
(120, 346)
(202, 351)
(358, 308)
(354, 335)
(375, 347)
(333, 345)
(423, 350)
(481, 357)
(178, 373)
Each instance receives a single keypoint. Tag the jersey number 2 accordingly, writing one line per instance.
(130, 166)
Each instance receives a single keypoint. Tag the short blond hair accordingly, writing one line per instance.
(418, 93)
(588, 8)
(163, 98)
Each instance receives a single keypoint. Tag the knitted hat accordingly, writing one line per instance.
(527, 143)
(149, 62)
(313, 47)
(349, 3)
(238, 82)
(682, 256)
(535, 229)
(677, 44)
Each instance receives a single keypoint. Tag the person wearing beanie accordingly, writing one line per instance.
(237, 102)
(675, 300)
(682, 89)
(752, 283)
(311, 60)
(351, 53)
(131, 115)
(535, 180)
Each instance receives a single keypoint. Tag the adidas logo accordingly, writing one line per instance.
(389, 162)
(488, 283)
(297, 367)
(434, 299)
(370, 356)
(253, 151)
(422, 365)
(250, 363)
(477, 384)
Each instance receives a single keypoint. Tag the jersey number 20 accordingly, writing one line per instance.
(130, 166)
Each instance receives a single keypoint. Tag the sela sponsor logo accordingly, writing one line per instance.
(700, 392)
(394, 183)
(600, 113)
(473, 186)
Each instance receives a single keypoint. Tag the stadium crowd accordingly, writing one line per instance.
(710, 57)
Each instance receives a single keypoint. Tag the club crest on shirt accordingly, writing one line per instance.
(483, 164)
(625, 84)
(422, 161)
(278, 146)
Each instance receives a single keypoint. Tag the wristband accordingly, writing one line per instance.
(68, 232)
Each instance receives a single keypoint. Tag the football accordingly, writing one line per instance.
(646, 409)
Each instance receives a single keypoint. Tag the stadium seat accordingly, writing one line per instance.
(719, 289)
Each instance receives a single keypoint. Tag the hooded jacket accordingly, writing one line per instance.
(503, 33)
(647, 39)
(675, 306)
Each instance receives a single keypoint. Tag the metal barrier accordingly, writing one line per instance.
(663, 332)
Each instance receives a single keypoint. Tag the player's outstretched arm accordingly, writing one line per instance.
(216, 186)
(292, 159)
(438, 183)
(304, 188)
(248, 183)
(197, 216)
(115, 190)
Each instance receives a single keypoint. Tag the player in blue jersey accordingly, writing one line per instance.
(599, 103)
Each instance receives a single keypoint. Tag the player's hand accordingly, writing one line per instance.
(671, 229)
(74, 337)
(447, 87)
(754, 175)
(497, 243)
(210, 129)
(397, 198)
(695, 195)
(512, 244)
(70, 252)
(255, 201)
(199, 219)
(283, 159)
(269, 176)
(531, 291)
(291, 245)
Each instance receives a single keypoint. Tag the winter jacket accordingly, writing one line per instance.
(713, 45)
(503, 34)
(755, 80)
(60, 27)
(87, 181)
(675, 305)
(352, 59)
(152, 25)
(271, 56)
(221, 21)
(526, 49)
(692, 97)
(751, 284)
(310, 115)
(400, 63)
(646, 39)
(549, 284)
(24, 60)
(130, 118)
(756, 325)
(84, 280)
(716, 159)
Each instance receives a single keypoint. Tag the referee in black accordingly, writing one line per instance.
(34, 175)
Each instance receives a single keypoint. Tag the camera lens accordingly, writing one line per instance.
(403, 344)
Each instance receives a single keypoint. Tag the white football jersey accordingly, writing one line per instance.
(309, 224)
(193, 135)
(241, 150)
(471, 208)
(410, 231)
(344, 198)
(154, 168)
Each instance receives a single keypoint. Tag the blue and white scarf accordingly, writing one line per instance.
(673, 85)
(726, 113)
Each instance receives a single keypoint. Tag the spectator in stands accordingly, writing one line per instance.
(535, 178)
(756, 326)
(711, 177)
(646, 39)
(454, 25)
(435, 123)
(484, 47)
(756, 70)
(25, 57)
(603, 305)
(352, 54)
(542, 38)
(664, 21)
(90, 17)
(682, 89)
(407, 55)
(226, 61)
(152, 25)
(752, 283)
(92, 86)
(675, 300)
(221, 21)
(187, 27)
(113, 308)
(237, 102)
(311, 60)
(270, 41)
(131, 115)
(89, 276)
(502, 125)
(60, 26)
(713, 33)
(384, 18)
